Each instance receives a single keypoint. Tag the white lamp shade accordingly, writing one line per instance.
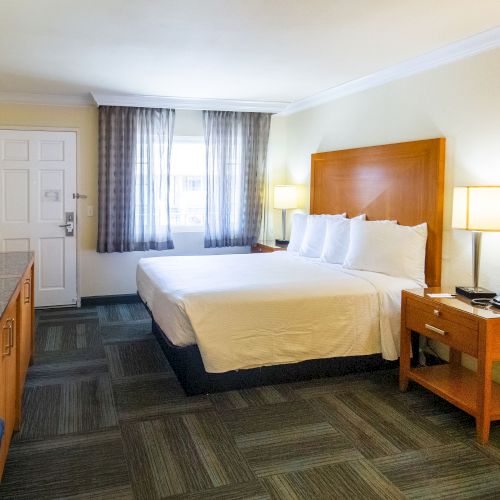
(476, 208)
(285, 197)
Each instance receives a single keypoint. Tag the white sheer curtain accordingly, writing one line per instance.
(134, 178)
(236, 149)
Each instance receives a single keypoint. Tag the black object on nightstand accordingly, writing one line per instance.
(475, 292)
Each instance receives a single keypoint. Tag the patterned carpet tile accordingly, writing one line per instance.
(295, 448)
(454, 471)
(185, 454)
(253, 490)
(257, 396)
(104, 417)
(70, 407)
(117, 313)
(382, 428)
(54, 373)
(66, 467)
(65, 341)
(150, 396)
(350, 480)
(69, 314)
(135, 358)
(126, 332)
(270, 417)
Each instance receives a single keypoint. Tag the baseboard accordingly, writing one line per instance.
(102, 300)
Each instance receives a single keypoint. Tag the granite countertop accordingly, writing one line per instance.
(12, 267)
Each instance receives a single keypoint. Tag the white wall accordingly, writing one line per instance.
(460, 101)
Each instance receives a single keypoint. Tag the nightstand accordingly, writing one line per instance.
(267, 247)
(464, 328)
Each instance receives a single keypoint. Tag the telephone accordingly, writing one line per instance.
(495, 301)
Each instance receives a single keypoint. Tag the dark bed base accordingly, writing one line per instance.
(188, 366)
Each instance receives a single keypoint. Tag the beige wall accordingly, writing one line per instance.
(109, 274)
(460, 101)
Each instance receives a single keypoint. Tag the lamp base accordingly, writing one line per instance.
(475, 293)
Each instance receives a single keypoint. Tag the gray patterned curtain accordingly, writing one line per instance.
(134, 178)
(236, 146)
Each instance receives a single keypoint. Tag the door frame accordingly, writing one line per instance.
(76, 130)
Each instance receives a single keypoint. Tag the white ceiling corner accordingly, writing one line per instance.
(188, 103)
(453, 52)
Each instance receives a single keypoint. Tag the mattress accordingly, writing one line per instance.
(250, 310)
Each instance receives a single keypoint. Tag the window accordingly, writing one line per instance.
(188, 184)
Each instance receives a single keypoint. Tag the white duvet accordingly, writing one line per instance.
(250, 310)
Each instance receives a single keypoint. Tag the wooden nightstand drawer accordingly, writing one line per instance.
(438, 324)
(443, 312)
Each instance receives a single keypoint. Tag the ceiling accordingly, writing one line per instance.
(263, 50)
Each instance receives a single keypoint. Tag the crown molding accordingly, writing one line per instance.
(449, 53)
(148, 101)
(46, 99)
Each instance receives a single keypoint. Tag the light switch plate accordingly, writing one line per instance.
(90, 211)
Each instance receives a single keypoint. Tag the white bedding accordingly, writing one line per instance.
(250, 310)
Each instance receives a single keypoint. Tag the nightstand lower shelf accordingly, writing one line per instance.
(458, 385)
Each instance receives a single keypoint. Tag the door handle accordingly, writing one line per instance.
(70, 224)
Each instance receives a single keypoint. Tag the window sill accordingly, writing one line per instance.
(188, 229)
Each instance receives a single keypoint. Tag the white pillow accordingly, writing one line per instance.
(314, 236)
(336, 241)
(388, 248)
(299, 222)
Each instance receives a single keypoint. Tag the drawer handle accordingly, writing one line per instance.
(6, 345)
(437, 312)
(12, 333)
(434, 329)
(27, 291)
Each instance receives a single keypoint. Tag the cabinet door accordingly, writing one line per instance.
(25, 330)
(3, 396)
(8, 327)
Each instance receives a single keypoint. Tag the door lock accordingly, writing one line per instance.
(70, 224)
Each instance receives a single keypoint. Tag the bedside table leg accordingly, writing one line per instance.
(404, 358)
(484, 380)
(455, 358)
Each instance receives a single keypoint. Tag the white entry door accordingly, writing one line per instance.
(37, 182)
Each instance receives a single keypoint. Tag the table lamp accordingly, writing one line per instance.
(285, 197)
(476, 209)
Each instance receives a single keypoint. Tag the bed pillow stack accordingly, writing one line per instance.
(299, 223)
(336, 241)
(388, 248)
(377, 246)
(314, 236)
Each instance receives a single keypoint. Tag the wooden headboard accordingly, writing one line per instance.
(403, 181)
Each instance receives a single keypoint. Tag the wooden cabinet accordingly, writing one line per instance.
(464, 328)
(26, 319)
(8, 368)
(16, 340)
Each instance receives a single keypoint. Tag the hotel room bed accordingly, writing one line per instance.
(234, 321)
(246, 311)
